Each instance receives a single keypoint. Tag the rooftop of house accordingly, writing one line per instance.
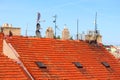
(46, 58)
(9, 69)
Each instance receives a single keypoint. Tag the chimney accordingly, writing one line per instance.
(65, 34)
(49, 33)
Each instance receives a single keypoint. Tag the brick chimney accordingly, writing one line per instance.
(49, 33)
(65, 34)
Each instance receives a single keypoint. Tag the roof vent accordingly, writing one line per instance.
(41, 65)
(105, 64)
(78, 65)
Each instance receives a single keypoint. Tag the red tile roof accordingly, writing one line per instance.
(9, 70)
(59, 55)
(1, 41)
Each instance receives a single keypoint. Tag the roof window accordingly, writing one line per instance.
(41, 65)
(105, 64)
(78, 65)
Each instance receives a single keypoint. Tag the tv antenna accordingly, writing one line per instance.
(96, 22)
(26, 30)
(96, 31)
(55, 24)
(77, 28)
(38, 18)
(38, 27)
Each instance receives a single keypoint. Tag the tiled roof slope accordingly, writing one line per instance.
(59, 57)
(9, 70)
(1, 41)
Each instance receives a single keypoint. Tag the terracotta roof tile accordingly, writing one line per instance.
(1, 41)
(59, 55)
(10, 70)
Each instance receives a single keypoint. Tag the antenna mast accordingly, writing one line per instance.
(55, 24)
(96, 31)
(38, 27)
(96, 22)
(77, 28)
(26, 29)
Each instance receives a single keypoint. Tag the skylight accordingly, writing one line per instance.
(41, 65)
(105, 64)
(78, 65)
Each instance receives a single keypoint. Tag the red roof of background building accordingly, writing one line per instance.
(59, 56)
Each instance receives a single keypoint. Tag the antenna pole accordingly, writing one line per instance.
(77, 28)
(38, 27)
(26, 29)
(96, 22)
(96, 31)
(55, 24)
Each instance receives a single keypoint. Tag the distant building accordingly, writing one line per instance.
(49, 33)
(65, 34)
(114, 50)
(8, 29)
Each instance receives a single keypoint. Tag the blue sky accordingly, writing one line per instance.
(24, 12)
